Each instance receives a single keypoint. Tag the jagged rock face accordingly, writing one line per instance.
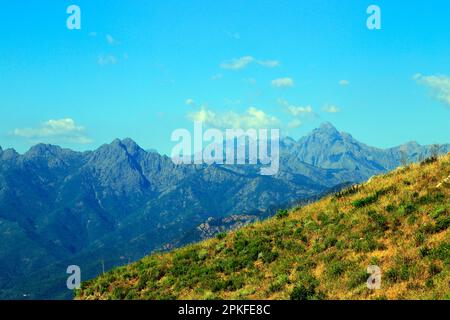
(60, 207)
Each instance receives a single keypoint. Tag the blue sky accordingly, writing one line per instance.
(142, 69)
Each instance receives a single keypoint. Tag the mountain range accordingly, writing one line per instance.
(108, 207)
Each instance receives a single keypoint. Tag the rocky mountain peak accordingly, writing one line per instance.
(413, 144)
(326, 126)
(127, 144)
(323, 137)
(131, 146)
(42, 150)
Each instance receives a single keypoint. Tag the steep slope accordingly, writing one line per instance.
(399, 222)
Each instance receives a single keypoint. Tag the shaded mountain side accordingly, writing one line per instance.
(398, 223)
(58, 205)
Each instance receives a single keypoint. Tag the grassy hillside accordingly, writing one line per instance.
(399, 222)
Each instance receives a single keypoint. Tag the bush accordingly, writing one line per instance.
(427, 228)
(202, 254)
(221, 235)
(390, 208)
(357, 278)
(142, 282)
(305, 265)
(306, 289)
(232, 284)
(404, 272)
(429, 160)
(431, 198)
(268, 256)
(360, 203)
(282, 214)
(246, 250)
(367, 244)
(279, 283)
(442, 252)
(406, 209)
(419, 238)
(347, 192)
(379, 220)
(385, 191)
(323, 218)
(330, 241)
(372, 198)
(119, 293)
(434, 269)
(392, 275)
(301, 235)
(336, 268)
(424, 252)
(302, 292)
(438, 212)
(442, 223)
(131, 295)
(412, 219)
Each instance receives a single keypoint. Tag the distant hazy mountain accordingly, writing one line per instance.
(106, 207)
(327, 148)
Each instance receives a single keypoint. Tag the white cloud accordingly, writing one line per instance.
(241, 63)
(190, 102)
(269, 63)
(344, 82)
(438, 84)
(295, 110)
(105, 60)
(298, 110)
(92, 34)
(331, 108)
(63, 130)
(283, 83)
(237, 64)
(251, 118)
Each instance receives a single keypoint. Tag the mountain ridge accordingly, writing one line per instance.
(324, 127)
